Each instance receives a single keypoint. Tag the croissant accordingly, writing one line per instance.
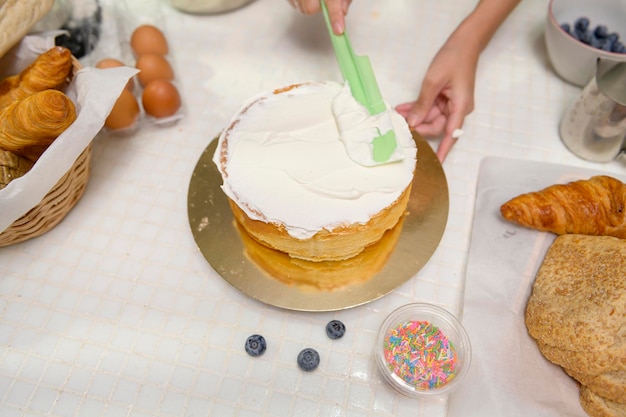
(49, 71)
(596, 206)
(29, 126)
(12, 166)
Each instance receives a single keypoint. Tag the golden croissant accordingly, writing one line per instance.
(29, 126)
(50, 70)
(595, 206)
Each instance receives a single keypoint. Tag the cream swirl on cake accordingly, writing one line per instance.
(287, 173)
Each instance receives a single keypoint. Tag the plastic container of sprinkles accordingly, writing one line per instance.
(423, 350)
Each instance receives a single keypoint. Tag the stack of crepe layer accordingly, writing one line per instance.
(577, 315)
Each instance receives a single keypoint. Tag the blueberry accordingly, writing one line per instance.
(617, 47)
(605, 45)
(595, 42)
(601, 32)
(581, 24)
(613, 37)
(335, 329)
(308, 359)
(584, 36)
(255, 345)
(566, 27)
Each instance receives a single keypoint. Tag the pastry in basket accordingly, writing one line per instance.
(577, 314)
(597, 406)
(594, 206)
(12, 167)
(30, 125)
(291, 184)
(50, 70)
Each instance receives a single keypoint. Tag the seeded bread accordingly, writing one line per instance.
(590, 362)
(578, 300)
(597, 406)
(577, 315)
(611, 386)
(16, 19)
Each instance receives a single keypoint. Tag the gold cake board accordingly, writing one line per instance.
(229, 253)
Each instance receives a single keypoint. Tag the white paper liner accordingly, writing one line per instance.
(94, 91)
(508, 375)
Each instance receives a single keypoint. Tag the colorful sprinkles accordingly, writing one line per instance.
(420, 354)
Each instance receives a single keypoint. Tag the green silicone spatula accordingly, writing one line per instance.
(357, 71)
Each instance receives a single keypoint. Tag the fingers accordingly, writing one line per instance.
(445, 146)
(438, 121)
(337, 11)
(296, 5)
(433, 122)
(418, 112)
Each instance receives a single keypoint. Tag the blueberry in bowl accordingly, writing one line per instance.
(579, 32)
(597, 37)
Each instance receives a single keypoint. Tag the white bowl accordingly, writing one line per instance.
(573, 60)
(401, 359)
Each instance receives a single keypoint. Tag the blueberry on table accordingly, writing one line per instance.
(308, 359)
(335, 329)
(255, 345)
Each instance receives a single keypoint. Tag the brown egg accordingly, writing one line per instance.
(160, 98)
(124, 112)
(114, 63)
(148, 39)
(153, 67)
(109, 63)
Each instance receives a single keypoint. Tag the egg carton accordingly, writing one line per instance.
(119, 20)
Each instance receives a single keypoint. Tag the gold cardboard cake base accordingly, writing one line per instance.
(232, 257)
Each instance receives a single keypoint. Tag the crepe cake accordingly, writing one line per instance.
(577, 315)
(291, 184)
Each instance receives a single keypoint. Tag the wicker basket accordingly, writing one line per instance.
(56, 204)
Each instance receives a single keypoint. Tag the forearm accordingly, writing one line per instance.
(481, 24)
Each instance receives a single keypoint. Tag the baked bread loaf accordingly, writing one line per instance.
(611, 385)
(30, 125)
(577, 315)
(597, 406)
(291, 184)
(50, 70)
(17, 17)
(12, 167)
(596, 206)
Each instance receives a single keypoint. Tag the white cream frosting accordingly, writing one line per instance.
(357, 128)
(286, 164)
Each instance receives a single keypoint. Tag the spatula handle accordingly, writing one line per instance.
(356, 70)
